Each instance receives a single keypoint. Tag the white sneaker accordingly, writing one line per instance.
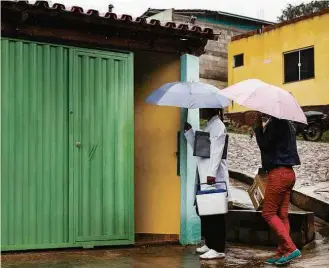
(212, 255)
(202, 250)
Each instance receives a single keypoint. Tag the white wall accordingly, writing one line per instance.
(164, 16)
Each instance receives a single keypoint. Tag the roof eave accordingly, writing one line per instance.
(39, 22)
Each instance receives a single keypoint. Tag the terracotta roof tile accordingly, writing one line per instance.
(93, 12)
(59, 7)
(205, 33)
(43, 4)
(155, 22)
(141, 20)
(111, 16)
(183, 27)
(76, 9)
(170, 25)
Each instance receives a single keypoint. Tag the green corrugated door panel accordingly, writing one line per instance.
(34, 155)
(53, 193)
(102, 105)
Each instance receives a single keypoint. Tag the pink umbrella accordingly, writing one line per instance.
(260, 96)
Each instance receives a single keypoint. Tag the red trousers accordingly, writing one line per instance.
(276, 204)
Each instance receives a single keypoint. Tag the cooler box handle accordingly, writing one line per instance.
(216, 183)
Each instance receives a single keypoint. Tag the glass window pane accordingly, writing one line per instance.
(291, 70)
(307, 63)
(238, 60)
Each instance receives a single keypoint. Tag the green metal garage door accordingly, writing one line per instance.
(66, 147)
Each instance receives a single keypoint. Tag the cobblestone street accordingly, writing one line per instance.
(244, 155)
(312, 175)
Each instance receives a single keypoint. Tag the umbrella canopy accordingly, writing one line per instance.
(190, 95)
(260, 96)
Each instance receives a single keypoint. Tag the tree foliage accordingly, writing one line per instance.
(295, 11)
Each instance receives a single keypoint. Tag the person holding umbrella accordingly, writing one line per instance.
(211, 171)
(278, 146)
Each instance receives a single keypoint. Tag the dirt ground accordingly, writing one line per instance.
(315, 255)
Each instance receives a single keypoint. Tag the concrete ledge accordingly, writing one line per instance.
(242, 177)
(305, 202)
(249, 227)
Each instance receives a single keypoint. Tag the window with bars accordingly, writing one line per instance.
(299, 65)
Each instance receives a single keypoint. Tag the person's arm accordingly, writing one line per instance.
(275, 130)
(189, 135)
(262, 138)
(227, 180)
(266, 138)
(217, 144)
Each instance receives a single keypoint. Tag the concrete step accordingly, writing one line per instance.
(249, 227)
(306, 202)
(298, 198)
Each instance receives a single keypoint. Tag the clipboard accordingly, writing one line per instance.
(202, 145)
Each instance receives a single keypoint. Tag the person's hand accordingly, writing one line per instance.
(211, 180)
(187, 126)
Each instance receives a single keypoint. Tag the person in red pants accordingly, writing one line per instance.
(278, 146)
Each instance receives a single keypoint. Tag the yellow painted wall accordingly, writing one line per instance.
(157, 186)
(263, 59)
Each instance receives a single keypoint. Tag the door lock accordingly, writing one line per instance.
(78, 144)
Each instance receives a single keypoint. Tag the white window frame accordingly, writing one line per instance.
(299, 63)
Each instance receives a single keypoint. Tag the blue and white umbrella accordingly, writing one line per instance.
(191, 95)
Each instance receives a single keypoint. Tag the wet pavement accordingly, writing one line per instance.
(315, 255)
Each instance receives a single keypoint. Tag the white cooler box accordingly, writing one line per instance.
(212, 201)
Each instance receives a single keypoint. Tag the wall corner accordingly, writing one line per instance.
(190, 223)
